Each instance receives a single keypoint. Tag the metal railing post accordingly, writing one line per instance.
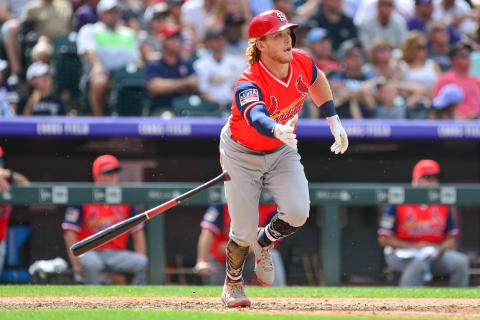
(331, 245)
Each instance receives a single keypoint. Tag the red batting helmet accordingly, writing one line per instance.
(269, 22)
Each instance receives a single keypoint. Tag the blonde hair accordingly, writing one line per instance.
(253, 54)
(412, 41)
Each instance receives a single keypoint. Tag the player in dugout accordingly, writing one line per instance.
(419, 239)
(113, 257)
(7, 178)
(258, 147)
(212, 244)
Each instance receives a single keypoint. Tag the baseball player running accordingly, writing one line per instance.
(258, 146)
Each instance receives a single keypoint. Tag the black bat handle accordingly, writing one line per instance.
(108, 234)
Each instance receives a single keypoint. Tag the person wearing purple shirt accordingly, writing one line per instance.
(423, 17)
(85, 14)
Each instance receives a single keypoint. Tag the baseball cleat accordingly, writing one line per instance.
(233, 295)
(264, 264)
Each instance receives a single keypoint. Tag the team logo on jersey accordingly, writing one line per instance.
(248, 95)
(273, 105)
(281, 17)
(300, 85)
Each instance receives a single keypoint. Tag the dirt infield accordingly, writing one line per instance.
(406, 307)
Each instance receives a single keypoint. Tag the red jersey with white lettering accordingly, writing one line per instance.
(418, 222)
(283, 98)
(89, 219)
(217, 220)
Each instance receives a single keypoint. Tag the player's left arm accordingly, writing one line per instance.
(138, 236)
(139, 242)
(322, 96)
(451, 232)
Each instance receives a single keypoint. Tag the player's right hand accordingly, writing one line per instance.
(284, 132)
(203, 268)
(341, 140)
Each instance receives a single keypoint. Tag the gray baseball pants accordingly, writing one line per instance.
(279, 171)
(94, 263)
(3, 252)
(451, 263)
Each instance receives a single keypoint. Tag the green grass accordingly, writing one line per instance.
(212, 291)
(153, 315)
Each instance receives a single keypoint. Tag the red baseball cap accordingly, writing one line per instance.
(169, 30)
(425, 167)
(105, 164)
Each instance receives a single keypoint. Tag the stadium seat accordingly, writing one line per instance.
(128, 95)
(195, 106)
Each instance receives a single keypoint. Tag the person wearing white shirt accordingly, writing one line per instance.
(218, 71)
(195, 14)
(456, 13)
(387, 24)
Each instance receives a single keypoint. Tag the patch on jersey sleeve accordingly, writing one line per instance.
(387, 222)
(211, 215)
(72, 215)
(248, 95)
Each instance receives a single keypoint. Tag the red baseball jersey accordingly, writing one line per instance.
(217, 220)
(5, 211)
(282, 97)
(89, 219)
(418, 222)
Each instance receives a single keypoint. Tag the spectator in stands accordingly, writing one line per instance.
(195, 14)
(50, 18)
(339, 26)
(218, 71)
(7, 178)
(10, 13)
(42, 51)
(171, 76)
(347, 83)
(387, 24)
(42, 100)
(422, 21)
(257, 7)
(212, 243)
(105, 46)
(85, 14)
(87, 219)
(456, 13)
(423, 14)
(155, 17)
(236, 44)
(393, 99)
(368, 9)
(446, 101)
(381, 63)
(419, 239)
(8, 94)
(420, 70)
(224, 8)
(439, 45)
(469, 108)
(320, 49)
(286, 6)
(174, 8)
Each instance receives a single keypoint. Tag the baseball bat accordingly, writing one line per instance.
(102, 237)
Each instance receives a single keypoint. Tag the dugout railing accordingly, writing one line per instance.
(330, 196)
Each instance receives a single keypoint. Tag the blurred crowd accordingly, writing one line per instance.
(390, 59)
